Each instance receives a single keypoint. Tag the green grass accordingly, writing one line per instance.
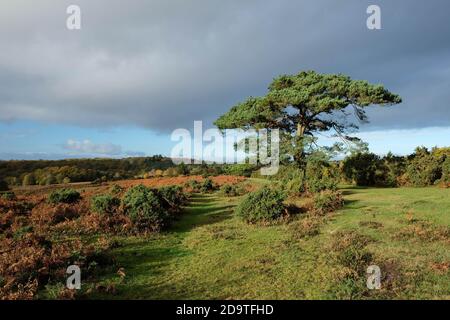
(210, 254)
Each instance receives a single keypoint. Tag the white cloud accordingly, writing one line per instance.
(88, 147)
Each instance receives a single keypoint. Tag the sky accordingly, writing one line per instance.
(134, 73)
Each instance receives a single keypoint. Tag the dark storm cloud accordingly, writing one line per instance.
(163, 64)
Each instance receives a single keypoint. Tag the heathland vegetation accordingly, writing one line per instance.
(144, 228)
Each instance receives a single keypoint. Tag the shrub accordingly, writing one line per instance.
(231, 190)
(315, 185)
(327, 201)
(395, 170)
(306, 227)
(244, 169)
(64, 196)
(193, 186)
(28, 180)
(9, 195)
(105, 204)
(32, 261)
(174, 196)
(294, 184)
(349, 249)
(116, 189)
(63, 212)
(361, 168)
(291, 179)
(264, 205)
(207, 186)
(320, 175)
(351, 259)
(424, 168)
(146, 208)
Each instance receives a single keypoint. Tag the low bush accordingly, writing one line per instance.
(361, 168)
(315, 185)
(64, 196)
(18, 208)
(327, 201)
(146, 208)
(321, 174)
(424, 168)
(423, 231)
(207, 185)
(231, 190)
(9, 196)
(192, 186)
(116, 189)
(264, 205)
(32, 261)
(306, 227)
(174, 196)
(349, 248)
(245, 170)
(351, 258)
(105, 204)
(63, 212)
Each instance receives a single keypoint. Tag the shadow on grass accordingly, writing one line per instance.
(143, 263)
(147, 262)
(200, 215)
(199, 198)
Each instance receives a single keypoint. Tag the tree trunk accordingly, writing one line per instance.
(299, 152)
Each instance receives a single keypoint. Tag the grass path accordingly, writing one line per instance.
(209, 254)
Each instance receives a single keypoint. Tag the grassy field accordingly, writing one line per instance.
(210, 254)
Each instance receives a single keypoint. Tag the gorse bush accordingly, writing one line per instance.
(193, 185)
(174, 196)
(145, 208)
(264, 205)
(152, 209)
(315, 185)
(207, 185)
(63, 212)
(425, 168)
(294, 182)
(231, 190)
(244, 169)
(105, 204)
(327, 201)
(320, 175)
(361, 168)
(116, 189)
(64, 196)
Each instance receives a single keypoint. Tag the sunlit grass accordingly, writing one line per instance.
(210, 254)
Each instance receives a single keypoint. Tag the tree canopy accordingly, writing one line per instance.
(306, 103)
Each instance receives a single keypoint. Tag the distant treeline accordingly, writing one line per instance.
(422, 168)
(46, 172)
